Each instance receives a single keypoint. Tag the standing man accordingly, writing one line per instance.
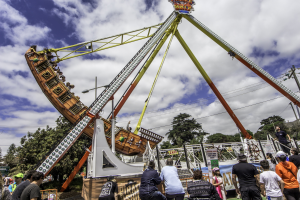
(18, 180)
(32, 191)
(18, 191)
(281, 136)
(247, 175)
(295, 158)
(172, 182)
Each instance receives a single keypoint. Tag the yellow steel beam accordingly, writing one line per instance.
(101, 44)
(174, 29)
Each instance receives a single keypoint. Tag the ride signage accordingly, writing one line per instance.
(213, 161)
(183, 6)
(172, 152)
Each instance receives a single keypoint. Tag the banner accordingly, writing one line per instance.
(213, 161)
(226, 171)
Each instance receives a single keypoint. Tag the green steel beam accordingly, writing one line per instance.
(101, 44)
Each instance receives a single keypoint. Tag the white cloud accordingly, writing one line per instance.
(16, 27)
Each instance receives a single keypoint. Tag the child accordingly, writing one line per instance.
(218, 183)
(269, 183)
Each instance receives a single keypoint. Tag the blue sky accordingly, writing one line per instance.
(264, 31)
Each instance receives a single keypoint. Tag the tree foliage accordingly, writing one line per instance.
(184, 130)
(268, 127)
(36, 145)
(11, 158)
(167, 145)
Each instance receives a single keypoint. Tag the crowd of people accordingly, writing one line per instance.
(277, 179)
(23, 187)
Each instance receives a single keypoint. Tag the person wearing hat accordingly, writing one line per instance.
(18, 180)
(247, 175)
(218, 183)
(18, 191)
(287, 171)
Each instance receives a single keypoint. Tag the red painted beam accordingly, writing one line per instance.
(76, 170)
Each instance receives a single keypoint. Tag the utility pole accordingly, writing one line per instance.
(293, 110)
(293, 73)
(293, 69)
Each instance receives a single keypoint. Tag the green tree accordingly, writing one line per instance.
(217, 138)
(36, 145)
(184, 129)
(11, 158)
(268, 127)
(167, 145)
(220, 138)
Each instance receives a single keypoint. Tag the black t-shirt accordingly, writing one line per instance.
(18, 191)
(294, 159)
(108, 190)
(31, 191)
(281, 135)
(245, 172)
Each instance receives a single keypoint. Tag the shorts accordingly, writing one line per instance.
(274, 198)
(251, 193)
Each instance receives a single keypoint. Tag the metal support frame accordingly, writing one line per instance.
(113, 143)
(155, 80)
(102, 161)
(262, 150)
(212, 86)
(76, 170)
(246, 61)
(102, 44)
(293, 110)
(203, 154)
(270, 138)
(158, 162)
(186, 157)
(143, 70)
(295, 141)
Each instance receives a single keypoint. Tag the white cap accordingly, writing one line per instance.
(280, 153)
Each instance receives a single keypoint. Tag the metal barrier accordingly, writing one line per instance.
(50, 194)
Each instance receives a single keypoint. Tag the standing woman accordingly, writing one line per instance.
(272, 161)
(218, 183)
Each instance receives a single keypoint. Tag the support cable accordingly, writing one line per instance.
(154, 83)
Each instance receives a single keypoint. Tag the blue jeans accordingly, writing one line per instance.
(157, 195)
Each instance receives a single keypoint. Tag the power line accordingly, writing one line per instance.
(225, 111)
(191, 107)
(284, 109)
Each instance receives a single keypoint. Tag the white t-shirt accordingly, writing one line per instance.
(270, 179)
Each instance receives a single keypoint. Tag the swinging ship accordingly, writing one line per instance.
(51, 81)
